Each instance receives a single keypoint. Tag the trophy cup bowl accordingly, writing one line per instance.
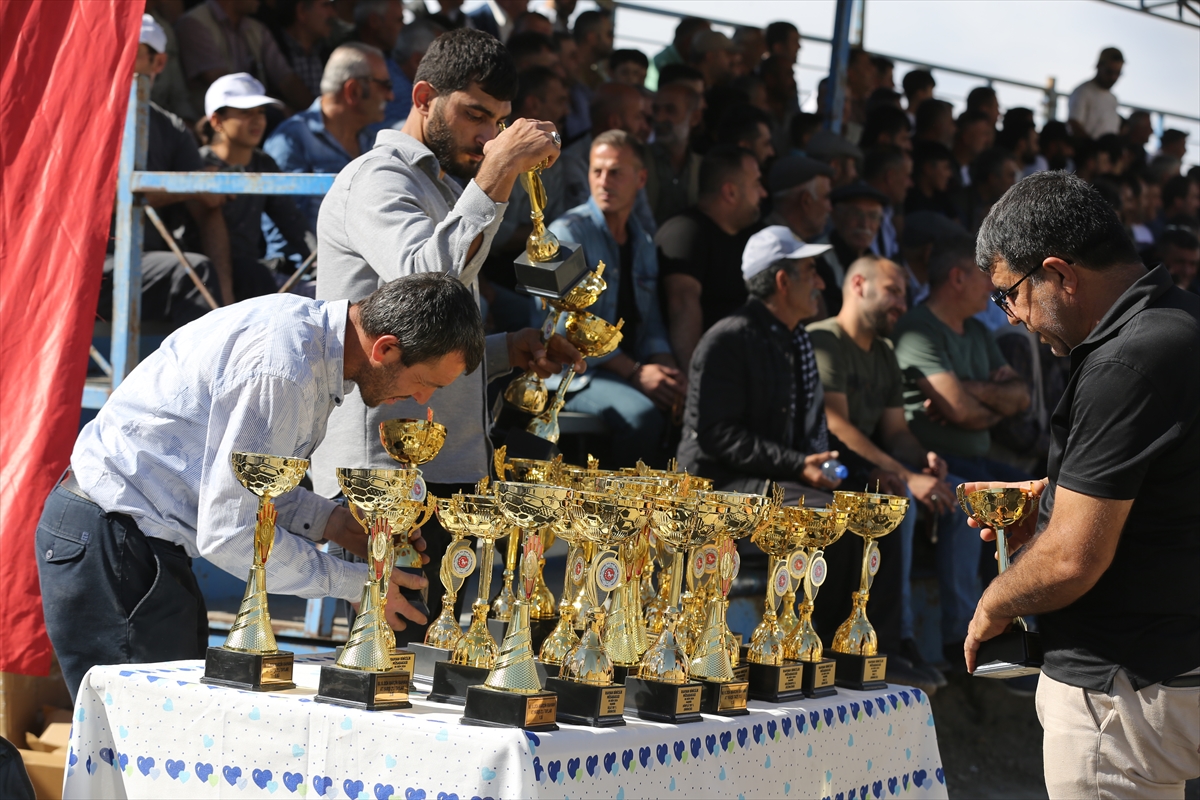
(532, 470)
(537, 508)
(591, 335)
(412, 441)
(583, 294)
(457, 565)
(812, 530)
(1017, 651)
(250, 658)
(527, 392)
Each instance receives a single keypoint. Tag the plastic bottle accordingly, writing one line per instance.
(835, 470)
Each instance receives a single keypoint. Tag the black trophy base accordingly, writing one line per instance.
(1010, 655)
(741, 672)
(425, 658)
(497, 628)
(495, 709)
(550, 670)
(864, 673)
(553, 278)
(819, 678)
(622, 674)
(593, 706)
(773, 683)
(251, 672)
(370, 691)
(540, 630)
(450, 682)
(724, 699)
(663, 702)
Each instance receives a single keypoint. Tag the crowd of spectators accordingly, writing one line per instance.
(731, 224)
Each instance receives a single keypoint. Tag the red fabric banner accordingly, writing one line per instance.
(65, 72)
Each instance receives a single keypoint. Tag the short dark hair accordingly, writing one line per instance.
(458, 58)
(720, 164)
(777, 33)
(1175, 188)
(970, 117)
(947, 254)
(929, 152)
(802, 127)
(432, 314)
(917, 80)
(678, 72)
(533, 82)
(980, 95)
(1171, 135)
(587, 22)
(740, 123)
(619, 57)
(686, 29)
(530, 43)
(1111, 143)
(1181, 238)
(929, 112)
(762, 284)
(1013, 133)
(988, 163)
(883, 120)
(882, 63)
(1018, 114)
(620, 139)
(1053, 214)
(880, 159)
(1053, 131)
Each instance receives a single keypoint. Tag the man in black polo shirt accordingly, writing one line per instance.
(1111, 571)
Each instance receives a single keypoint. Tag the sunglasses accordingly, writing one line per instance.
(1000, 296)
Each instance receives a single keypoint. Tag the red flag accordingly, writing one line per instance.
(64, 86)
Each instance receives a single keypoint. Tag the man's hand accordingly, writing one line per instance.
(522, 146)
(662, 384)
(812, 474)
(931, 492)
(1020, 534)
(983, 627)
(936, 466)
(398, 609)
(526, 351)
(887, 482)
(344, 531)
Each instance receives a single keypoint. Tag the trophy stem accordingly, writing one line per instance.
(787, 617)
(485, 571)
(503, 604)
(367, 649)
(251, 630)
(711, 661)
(1002, 549)
(444, 632)
(515, 670)
(676, 579)
(803, 644)
(856, 635)
(476, 648)
(542, 601)
(619, 640)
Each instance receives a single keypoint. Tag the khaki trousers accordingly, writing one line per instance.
(1124, 745)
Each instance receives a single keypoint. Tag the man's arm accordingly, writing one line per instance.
(1058, 567)
(214, 241)
(685, 319)
(1005, 392)
(948, 400)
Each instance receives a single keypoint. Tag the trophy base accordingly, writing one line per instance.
(773, 683)
(540, 630)
(495, 709)
(663, 702)
(370, 691)
(1010, 655)
(425, 658)
(819, 677)
(724, 699)
(450, 682)
(550, 670)
(252, 672)
(864, 673)
(553, 278)
(741, 672)
(583, 704)
(622, 674)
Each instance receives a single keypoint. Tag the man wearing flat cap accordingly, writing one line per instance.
(857, 214)
(799, 188)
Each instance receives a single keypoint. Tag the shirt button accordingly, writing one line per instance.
(307, 526)
(49, 554)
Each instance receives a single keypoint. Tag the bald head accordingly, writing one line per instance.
(619, 106)
(874, 295)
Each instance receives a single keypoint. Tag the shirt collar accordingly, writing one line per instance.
(1144, 291)
(411, 151)
(336, 312)
(219, 13)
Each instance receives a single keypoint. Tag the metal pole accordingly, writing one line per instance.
(170, 240)
(858, 23)
(127, 254)
(295, 277)
(837, 66)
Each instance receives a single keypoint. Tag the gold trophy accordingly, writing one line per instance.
(250, 658)
(458, 563)
(813, 530)
(1018, 651)
(855, 644)
(364, 675)
(512, 696)
(774, 677)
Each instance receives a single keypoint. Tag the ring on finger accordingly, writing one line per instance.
(557, 139)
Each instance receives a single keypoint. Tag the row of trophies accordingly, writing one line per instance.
(614, 642)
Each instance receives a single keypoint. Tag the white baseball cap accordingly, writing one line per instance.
(772, 245)
(239, 90)
(152, 34)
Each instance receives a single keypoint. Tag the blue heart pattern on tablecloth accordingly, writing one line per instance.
(863, 792)
(414, 794)
(610, 759)
(895, 701)
(445, 796)
(771, 728)
(123, 760)
(877, 789)
(352, 788)
(695, 746)
(173, 768)
(758, 731)
(680, 749)
(203, 771)
(292, 779)
(322, 783)
(742, 733)
(231, 774)
(892, 784)
(663, 751)
(384, 791)
(869, 707)
(644, 756)
(904, 778)
(626, 759)
(145, 764)
(572, 767)
(814, 717)
(710, 742)
(828, 717)
(786, 724)
(591, 763)
(841, 712)
(554, 769)
(726, 740)
(904, 696)
(940, 775)
(537, 768)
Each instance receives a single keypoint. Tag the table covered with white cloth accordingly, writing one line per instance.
(155, 731)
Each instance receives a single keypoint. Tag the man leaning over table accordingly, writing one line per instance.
(151, 485)
(1110, 564)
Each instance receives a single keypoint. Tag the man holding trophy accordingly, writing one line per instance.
(151, 484)
(1109, 565)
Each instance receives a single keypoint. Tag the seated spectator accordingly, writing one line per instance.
(678, 51)
(628, 67)
(801, 131)
(752, 48)
(378, 23)
(219, 37)
(992, 174)
(1055, 148)
(1136, 131)
(1174, 144)
(533, 22)
(885, 98)
(1180, 200)
(887, 125)
(532, 49)
(332, 132)
(636, 384)
(449, 16)
(1118, 156)
(1130, 188)
(750, 129)
(860, 82)
(918, 85)
(754, 90)
(1092, 107)
(889, 169)
(779, 82)
(1180, 250)
(799, 188)
(972, 135)
(932, 172)
(922, 230)
(957, 384)
(497, 17)
(857, 215)
(615, 106)
(170, 89)
(304, 29)
(934, 122)
(841, 155)
(885, 73)
(593, 34)
(673, 167)
(234, 129)
(1021, 139)
(168, 294)
(411, 46)
(700, 251)
(983, 100)
(713, 54)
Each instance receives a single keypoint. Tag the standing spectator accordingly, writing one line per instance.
(992, 174)
(918, 85)
(673, 167)
(304, 29)
(636, 384)
(783, 41)
(713, 53)
(594, 39)
(932, 172)
(700, 251)
(973, 134)
(857, 215)
(411, 46)
(1173, 144)
(752, 48)
(779, 82)
(887, 126)
(749, 128)
(1136, 131)
(889, 169)
(935, 123)
(628, 67)
(170, 90)
(983, 100)
(1181, 201)
(331, 133)
(799, 189)
(378, 23)
(235, 125)
(531, 49)
(678, 51)
(957, 384)
(1092, 108)
(885, 73)
(1180, 250)
(219, 37)
(497, 17)
(860, 82)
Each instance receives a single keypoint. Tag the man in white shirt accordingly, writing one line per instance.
(1093, 106)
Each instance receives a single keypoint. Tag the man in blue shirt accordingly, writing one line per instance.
(640, 381)
(378, 23)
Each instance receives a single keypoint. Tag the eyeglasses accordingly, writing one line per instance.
(1000, 296)
(386, 84)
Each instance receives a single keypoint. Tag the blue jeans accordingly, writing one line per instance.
(634, 423)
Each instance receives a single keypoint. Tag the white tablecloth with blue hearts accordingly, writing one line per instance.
(155, 731)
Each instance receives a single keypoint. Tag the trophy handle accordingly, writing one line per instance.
(358, 516)
(264, 530)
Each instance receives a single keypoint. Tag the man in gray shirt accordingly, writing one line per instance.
(394, 211)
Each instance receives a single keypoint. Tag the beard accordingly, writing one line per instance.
(439, 137)
(374, 384)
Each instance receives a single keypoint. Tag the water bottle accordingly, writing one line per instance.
(834, 470)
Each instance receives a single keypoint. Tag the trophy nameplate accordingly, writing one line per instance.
(1010, 655)
(819, 678)
(370, 691)
(864, 673)
(776, 683)
(724, 699)
(663, 702)
(584, 704)
(492, 708)
(253, 672)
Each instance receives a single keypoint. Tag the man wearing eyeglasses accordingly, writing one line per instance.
(857, 214)
(1110, 564)
(333, 131)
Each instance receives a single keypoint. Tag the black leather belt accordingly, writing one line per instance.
(1183, 681)
(71, 485)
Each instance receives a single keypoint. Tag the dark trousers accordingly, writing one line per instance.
(112, 595)
(168, 292)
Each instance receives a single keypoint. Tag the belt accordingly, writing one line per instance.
(71, 485)
(1183, 681)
